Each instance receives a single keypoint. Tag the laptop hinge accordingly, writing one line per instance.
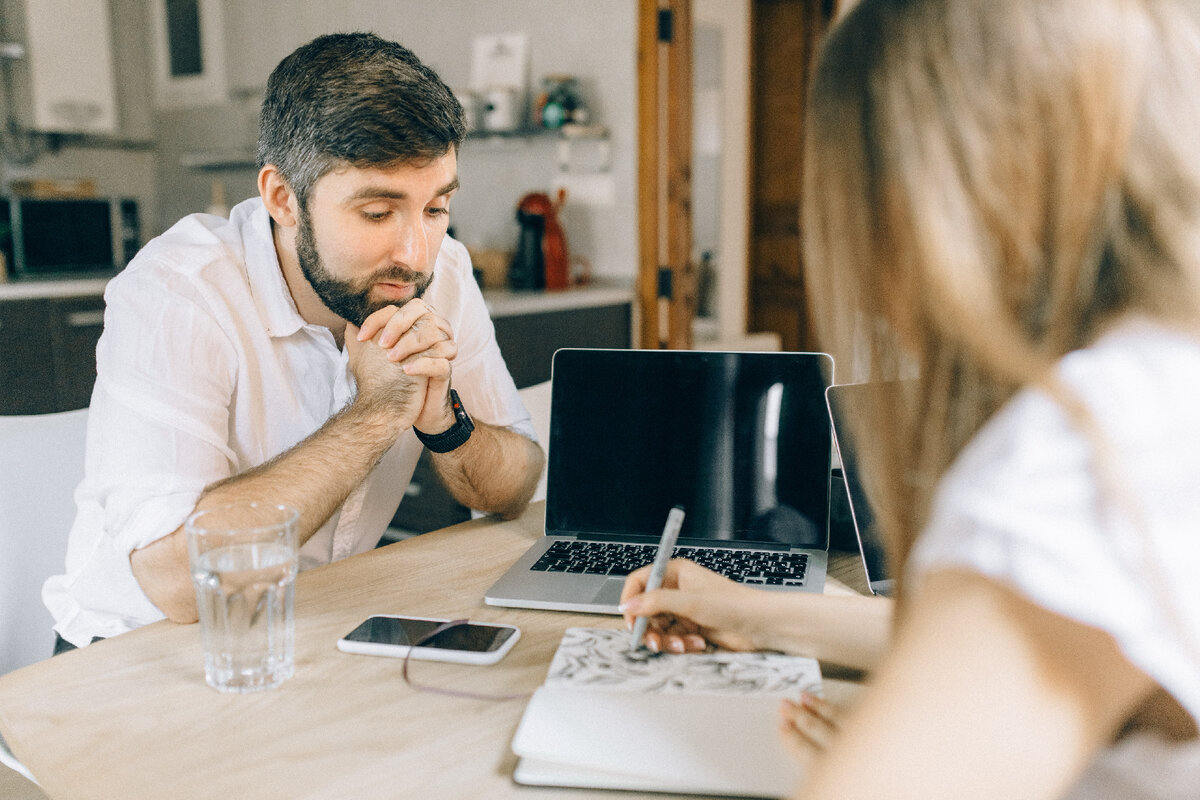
(738, 543)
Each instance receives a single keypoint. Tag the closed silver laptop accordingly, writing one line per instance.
(843, 401)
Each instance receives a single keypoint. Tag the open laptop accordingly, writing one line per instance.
(741, 440)
(843, 401)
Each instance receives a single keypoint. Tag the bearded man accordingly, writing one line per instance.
(303, 351)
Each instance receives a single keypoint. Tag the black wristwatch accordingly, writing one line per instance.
(456, 435)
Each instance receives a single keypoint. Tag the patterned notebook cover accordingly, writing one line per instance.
(599, 658)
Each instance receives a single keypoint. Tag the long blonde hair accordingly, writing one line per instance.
(988, 185)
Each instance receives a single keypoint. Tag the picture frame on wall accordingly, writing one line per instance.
(189, 53)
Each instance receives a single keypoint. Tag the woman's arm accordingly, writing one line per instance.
(697, 606)
(983, 695)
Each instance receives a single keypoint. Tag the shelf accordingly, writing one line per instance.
(566, 132)
(220, 159)
(212, 160)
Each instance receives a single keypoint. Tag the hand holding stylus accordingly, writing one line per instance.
(666, 546)
(695, 608)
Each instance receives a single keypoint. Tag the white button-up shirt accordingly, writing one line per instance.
(206, 369)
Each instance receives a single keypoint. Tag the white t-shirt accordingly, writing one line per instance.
(206, 369)
(1022, 504)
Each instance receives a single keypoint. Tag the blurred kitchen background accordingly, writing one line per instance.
(180, 143)
(655, 143)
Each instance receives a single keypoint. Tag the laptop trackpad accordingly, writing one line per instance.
(610, 592)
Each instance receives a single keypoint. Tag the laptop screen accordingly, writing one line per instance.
(845, 400)
(740, 440)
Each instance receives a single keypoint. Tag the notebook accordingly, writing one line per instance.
(612, 718)
(741, 440)
(843, 401)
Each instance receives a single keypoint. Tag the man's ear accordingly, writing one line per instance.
(277, 196)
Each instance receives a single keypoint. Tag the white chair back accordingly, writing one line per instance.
(41, 464)
(537, 401)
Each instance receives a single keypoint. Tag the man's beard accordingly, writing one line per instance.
(348, 299)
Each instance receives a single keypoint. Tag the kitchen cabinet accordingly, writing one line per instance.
(48, 352)
(529, 336)
(26, 360)
(76, 326)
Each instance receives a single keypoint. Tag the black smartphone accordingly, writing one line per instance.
(396, 636)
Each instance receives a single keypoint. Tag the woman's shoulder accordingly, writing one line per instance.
(1137, 386)
(1053, 475)
(1136, 359)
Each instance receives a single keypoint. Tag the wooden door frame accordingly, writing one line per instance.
(666, 274)
(776, 299)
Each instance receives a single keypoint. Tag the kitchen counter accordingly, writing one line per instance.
(500, 302)
(506, 303)
(63, 287)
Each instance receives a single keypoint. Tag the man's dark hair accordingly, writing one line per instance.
(354, 99)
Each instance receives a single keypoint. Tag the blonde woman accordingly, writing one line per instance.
(1006, 196)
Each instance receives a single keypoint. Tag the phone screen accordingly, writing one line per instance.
(407, 632)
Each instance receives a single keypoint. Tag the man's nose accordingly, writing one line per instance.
(411, 245)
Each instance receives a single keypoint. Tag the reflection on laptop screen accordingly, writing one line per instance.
(741, 440)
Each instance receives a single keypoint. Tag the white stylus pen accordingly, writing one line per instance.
(666, 545)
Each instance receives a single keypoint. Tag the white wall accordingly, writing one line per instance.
(732, 19)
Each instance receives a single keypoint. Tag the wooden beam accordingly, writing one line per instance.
(678, 138)
(666, 274)
(647, 107)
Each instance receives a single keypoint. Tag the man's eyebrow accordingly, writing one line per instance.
(382, 193)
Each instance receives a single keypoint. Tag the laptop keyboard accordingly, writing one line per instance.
(755, 567)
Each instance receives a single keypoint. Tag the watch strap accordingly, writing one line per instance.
(454, 436)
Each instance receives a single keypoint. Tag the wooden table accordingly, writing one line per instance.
(132, 717)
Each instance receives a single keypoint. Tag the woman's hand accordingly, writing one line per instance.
(807, 725)
(694, 608)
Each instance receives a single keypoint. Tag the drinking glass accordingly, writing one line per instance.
(244, 559)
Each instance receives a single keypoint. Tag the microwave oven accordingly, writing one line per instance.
(56, 237)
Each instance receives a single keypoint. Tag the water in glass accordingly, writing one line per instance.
(245, 593)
